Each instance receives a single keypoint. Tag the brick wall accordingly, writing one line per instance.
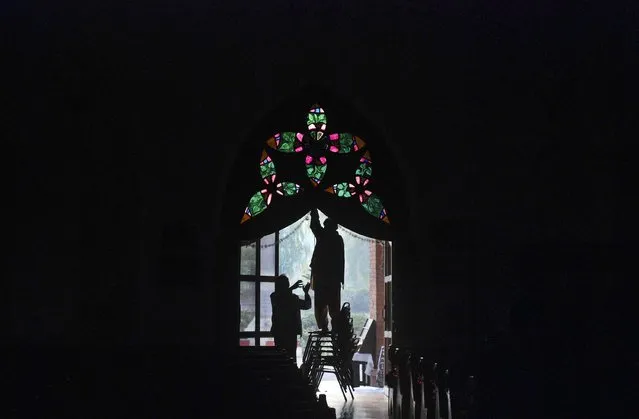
(376, 293)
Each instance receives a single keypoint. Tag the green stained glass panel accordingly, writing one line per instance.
(257, 204)
(316, 171)
(267, 169)
(342, 190)
(373, 205)
(287, 143)
(289, 188)
(316, 118)
(345, 143)
(364, 170)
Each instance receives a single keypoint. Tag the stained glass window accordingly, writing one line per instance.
(267, 168)
(262, 199)
(288, 188)
(370, 202)
(316, 122)
(365, 168)
(344, 143)
(315, 168)
(257, 204)
(287, 142)
(342, 189)
(315, 143)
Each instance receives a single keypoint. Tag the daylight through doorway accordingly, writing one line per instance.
(288, 251)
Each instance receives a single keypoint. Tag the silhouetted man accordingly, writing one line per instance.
(327, 270)
(286, 318)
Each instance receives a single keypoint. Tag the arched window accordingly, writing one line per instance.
(298, 170)
(314, 146)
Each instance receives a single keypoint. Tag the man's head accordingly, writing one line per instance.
(330, 224)
(281, 283)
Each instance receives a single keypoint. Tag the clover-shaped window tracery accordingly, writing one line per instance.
(315, 144)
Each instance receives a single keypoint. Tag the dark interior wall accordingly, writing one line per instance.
(506, 126)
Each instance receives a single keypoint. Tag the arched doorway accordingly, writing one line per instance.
(271, 185)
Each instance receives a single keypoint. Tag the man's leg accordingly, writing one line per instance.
(321, 315)
(334, 307)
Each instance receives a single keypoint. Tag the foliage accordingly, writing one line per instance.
(358, 297)
(359, 320)
(245, 318)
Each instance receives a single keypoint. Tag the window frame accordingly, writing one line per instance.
(258, 280)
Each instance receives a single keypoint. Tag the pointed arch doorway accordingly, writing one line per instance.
(279, 175)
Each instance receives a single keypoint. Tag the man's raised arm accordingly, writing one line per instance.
(316, 228)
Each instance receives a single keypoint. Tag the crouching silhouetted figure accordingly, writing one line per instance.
(286, 318)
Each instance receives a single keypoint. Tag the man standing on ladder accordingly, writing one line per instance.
(327, 271)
